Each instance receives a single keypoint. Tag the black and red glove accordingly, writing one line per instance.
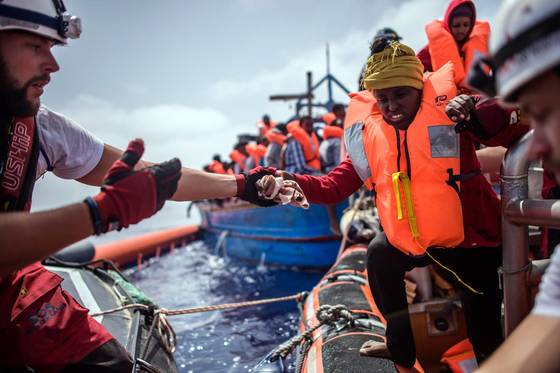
(249, 192)
(129, 196)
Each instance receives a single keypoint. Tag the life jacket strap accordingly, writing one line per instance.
(401, 180)
(455, 179)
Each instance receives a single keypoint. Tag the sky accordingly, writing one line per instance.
(188, 76)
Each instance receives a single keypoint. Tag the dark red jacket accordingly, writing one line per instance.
(424, 53)
(481, 206)
(41, 325)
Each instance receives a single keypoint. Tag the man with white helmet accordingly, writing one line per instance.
(525, 60)
(41, 326)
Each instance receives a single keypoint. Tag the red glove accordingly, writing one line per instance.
(129, 196)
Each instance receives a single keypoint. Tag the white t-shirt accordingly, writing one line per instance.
(71, 150)
(547, 302)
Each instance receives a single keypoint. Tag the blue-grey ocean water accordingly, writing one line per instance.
(222, 341)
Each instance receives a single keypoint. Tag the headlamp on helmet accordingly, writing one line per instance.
(47, 18)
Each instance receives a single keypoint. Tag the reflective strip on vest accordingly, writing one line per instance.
(354, 141)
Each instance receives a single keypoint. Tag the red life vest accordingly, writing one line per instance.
(310, 144)
(443, 48)
(414, 171)
(216, 167)
(40, 324)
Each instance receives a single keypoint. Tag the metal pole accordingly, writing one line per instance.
(330, 101)
(309, 91)
(515, 238)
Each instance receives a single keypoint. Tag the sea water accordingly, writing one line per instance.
(222, 341)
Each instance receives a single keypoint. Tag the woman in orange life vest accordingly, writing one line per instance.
(458, 38)
(430, 193)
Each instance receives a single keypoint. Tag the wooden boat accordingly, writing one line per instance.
(279, 235)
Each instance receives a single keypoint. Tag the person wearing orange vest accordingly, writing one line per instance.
(265, 124)
(276, 138)
(458, 38)
(329, 149)
(217, 166)
(239, 156)
(434, 205)
(301, 151)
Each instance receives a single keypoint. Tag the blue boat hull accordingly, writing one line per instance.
(280, 235)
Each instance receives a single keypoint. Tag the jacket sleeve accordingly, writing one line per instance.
(496, 125)
(332, 188)
(426, 59)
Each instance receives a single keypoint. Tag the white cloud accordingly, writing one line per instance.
(192, 134)
(167, 130)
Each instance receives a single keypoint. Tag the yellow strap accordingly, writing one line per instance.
(401, 178)
(454, 274)
(397, 191)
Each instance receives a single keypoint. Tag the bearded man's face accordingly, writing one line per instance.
(26, 63)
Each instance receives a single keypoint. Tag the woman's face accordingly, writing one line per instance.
(398, 105)
(460, 27)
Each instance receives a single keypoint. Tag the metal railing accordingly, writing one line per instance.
(519, 211)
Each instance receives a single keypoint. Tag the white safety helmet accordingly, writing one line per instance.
(47, 18)
(525, 43)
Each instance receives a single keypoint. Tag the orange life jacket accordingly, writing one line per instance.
(261, 150)
(217, 167)
(263, 128)
(460, 356)
(414, 171)
(310, 144)
(332, 131)
(238, 158)
(255, 153)
(360, 106)
(443, 47)
(329, 118)
(273, 136)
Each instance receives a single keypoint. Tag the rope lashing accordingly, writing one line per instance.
(327, 315)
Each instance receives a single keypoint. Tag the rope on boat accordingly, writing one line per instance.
(166, 332)
(187, 311)
(327, 315)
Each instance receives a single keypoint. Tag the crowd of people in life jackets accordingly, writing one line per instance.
(305, 146)
(410, 132)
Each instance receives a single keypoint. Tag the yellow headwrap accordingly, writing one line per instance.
(395, 66)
